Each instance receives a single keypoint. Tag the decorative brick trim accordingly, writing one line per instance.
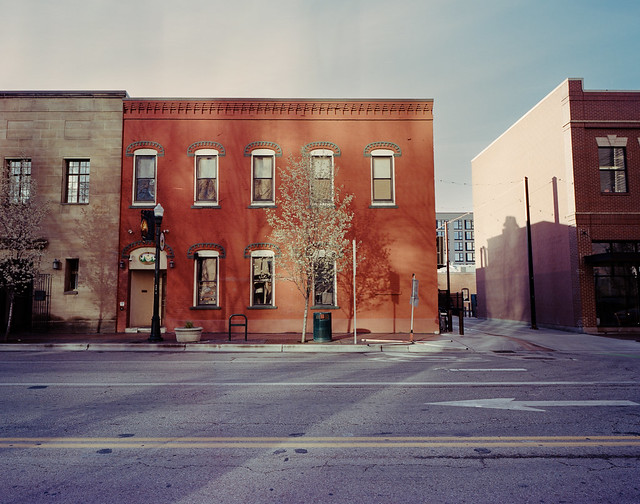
(263, 145)
(126, 251)
(322, 145)
(193, 249)
(299, 109)
(144, 144)
(261, 246)
(206, 144)
(383, 145)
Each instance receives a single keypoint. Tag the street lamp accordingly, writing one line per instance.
(155, 336)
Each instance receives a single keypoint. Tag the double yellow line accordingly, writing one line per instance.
(320, 442)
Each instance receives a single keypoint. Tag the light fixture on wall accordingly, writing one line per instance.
(57, 264)
(121, 264)
(171, 263)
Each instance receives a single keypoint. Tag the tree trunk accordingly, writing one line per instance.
(12, 297)
(304, 317)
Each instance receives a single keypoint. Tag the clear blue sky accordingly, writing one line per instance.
(484, 62)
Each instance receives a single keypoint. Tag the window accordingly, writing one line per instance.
(457, 224)
(322, 167)
(19, 172)
(262, 278)
(468, 235)
(613, 172)
(262, 173)
(144, 176)
(382, 191)
(468, 224)
(457, 235)
(459, 257)
(71, 275)
(457, 245)
(206, 177)
(206, 289)
(471, 257)
(468, 246)
(324, 286)
(77, 181)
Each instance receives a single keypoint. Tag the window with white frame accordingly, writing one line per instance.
(382, 177)
(613, 170)
(19, 175)
(206, 177)
(77, 181)
(144, 176)
(206, 278)
(322, 169)
(324, 281)
(263, 162)
(262, 292)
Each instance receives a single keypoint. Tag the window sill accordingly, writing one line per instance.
(324, 307)
(264, 205)
(200, 207)
(383, 205)
(143, 205)
(205, 307)
(262, 307)
(67, 203)
(626, 193)
(70, 293)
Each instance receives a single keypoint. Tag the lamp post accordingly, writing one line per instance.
(155, 336)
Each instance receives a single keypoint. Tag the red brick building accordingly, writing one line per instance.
(580, 151)
(214, 166)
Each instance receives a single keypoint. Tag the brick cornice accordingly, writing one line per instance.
(250, 108)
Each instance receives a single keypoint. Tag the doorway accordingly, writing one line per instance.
(141, 297)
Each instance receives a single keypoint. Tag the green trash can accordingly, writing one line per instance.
(322, 326)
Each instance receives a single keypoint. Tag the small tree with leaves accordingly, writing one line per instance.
(310, 225)
(21, 242)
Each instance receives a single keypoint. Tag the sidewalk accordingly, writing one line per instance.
(480, 336)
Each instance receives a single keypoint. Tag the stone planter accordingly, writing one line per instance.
(188, 334)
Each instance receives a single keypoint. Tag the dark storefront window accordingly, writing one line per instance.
(616, 268)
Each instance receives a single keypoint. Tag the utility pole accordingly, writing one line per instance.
(532, 292)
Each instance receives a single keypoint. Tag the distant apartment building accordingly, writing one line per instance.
(67, 145)
(580, 152)
(461, 239)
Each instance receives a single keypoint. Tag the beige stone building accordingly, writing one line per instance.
(67, 146)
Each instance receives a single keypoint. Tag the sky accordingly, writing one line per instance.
(485, 63)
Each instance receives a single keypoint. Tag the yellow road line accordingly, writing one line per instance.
(319, 442)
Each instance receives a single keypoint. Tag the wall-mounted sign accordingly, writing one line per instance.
(147, 258)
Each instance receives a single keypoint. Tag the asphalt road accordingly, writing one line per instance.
(303, 428)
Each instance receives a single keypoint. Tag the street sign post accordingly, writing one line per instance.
(413, 301)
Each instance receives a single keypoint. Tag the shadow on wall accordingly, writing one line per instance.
(376, 282)
(502, 274)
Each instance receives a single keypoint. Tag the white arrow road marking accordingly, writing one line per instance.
(512, 404)
(495, 370)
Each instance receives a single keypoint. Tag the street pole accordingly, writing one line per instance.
(532, 292)
(155, 336)
(355, 330)
(446, 241)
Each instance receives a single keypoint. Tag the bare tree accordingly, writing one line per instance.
(310, 225)
(21, 242)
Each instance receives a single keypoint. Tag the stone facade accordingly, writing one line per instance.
(67, 136)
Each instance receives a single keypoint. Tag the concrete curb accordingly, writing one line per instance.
(188, 347)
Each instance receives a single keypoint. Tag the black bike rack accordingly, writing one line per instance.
(240, 324)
